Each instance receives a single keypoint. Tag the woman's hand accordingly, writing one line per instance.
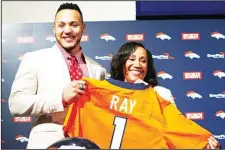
(213, 143)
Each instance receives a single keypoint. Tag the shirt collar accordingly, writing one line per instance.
(79, 55)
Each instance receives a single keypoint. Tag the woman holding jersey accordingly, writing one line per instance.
(133, 63)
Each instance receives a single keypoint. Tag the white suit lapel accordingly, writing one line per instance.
(89, 67)
(62, 70)
(62, 67)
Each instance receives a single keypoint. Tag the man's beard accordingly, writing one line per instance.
(69, 49)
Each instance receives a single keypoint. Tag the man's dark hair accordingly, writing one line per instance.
(118, 63)
(70, 6)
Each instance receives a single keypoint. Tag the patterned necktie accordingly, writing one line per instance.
(75, 70)
(75, 74)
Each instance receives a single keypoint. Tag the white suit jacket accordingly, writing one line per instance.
(37, 91)
(161, 91)
(165, 93)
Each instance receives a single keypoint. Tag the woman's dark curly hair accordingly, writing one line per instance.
(118, 62)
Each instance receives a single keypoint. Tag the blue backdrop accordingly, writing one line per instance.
(189, 57)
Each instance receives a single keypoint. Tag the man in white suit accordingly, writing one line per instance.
(43, 87)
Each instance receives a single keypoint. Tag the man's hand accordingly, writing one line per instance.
(73, 91)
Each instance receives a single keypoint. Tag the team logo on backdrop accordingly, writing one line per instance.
(197, 75)
(25, 39)
(220, 114)
(217, 35)
(3, 41)
(109, 57)
(21, 138)
(4, 60)
(220, 137)
(164, 75)
(85, 38)
(164, 56)
(219, 74)
(195, 115)
(135, 37)
(51, 38)
(4, 101)
(220, 55)
(162, 36)
(20, 57)
(2, 141)
(193, 95)
(22, 119)
(191, 55)
(219, 95)
(190, 36)
(107, 37)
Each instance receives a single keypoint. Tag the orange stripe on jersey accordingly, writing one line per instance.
(114, 116)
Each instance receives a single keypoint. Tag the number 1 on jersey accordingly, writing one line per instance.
(117, 137)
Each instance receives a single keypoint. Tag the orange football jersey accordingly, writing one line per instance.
(115, 114)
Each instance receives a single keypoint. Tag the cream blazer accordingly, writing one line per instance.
(37, 91)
